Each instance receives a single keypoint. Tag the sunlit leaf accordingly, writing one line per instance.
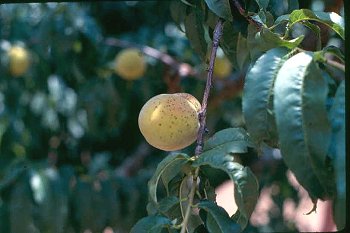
(335, 51)
(257, 98)
(302, 123)
(271, 40)
(338, 147)
(230, 140)
(331, 19)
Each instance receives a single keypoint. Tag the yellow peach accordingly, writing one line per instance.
(130, 64)
(18, 60)
(170, 121)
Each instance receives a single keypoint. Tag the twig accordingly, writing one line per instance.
(240, 9)
(184, 69)
(328, 61)
(203, 111)
(335, 64)
(202, 118)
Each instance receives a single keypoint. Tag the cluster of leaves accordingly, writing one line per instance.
(291, 101)
(171, 183)
(37, 197)
(67, 108)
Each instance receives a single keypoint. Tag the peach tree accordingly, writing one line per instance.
(293, 99)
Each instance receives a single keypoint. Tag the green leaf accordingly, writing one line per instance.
(228, 141)
(185, 189)
(221, 8)
(14, 170)
(246, 185)
(331, 19)
(21, 207)
(242, 51)
(257, 97)
(166, 170)
(320, 55)
(82, 203)
(337, 115)
(195, 32)
(151, 224)
(270, 40)
(262, 3)
(188, 3)
(228, 42)
(216, 218)
(168, 203)
(253, 43)
(302, 123)
(264, 40)
(178, 13)
(52, 200)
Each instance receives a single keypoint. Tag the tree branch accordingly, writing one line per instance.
(203, 111)
(240, 9)
(183, 69)
(335, 64)
(202, 118)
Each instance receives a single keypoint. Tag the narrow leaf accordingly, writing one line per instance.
(258, 96)
(271, 40)
(185, 189)
(302, 123)
(217, 220)
(331, 19)
(178, 13)
(195, 32)
(246, 184)
(21, 207)
(320, 55)
(236, 140)
(242, 51)
(167, 169)
(262, 3)
(221, 8)
(228, 42)
(337, 114)
(151, 224)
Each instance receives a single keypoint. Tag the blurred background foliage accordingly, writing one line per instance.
(71, 154)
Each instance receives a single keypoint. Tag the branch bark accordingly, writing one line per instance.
(203, 112)
(240, 9)
(202, 117)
